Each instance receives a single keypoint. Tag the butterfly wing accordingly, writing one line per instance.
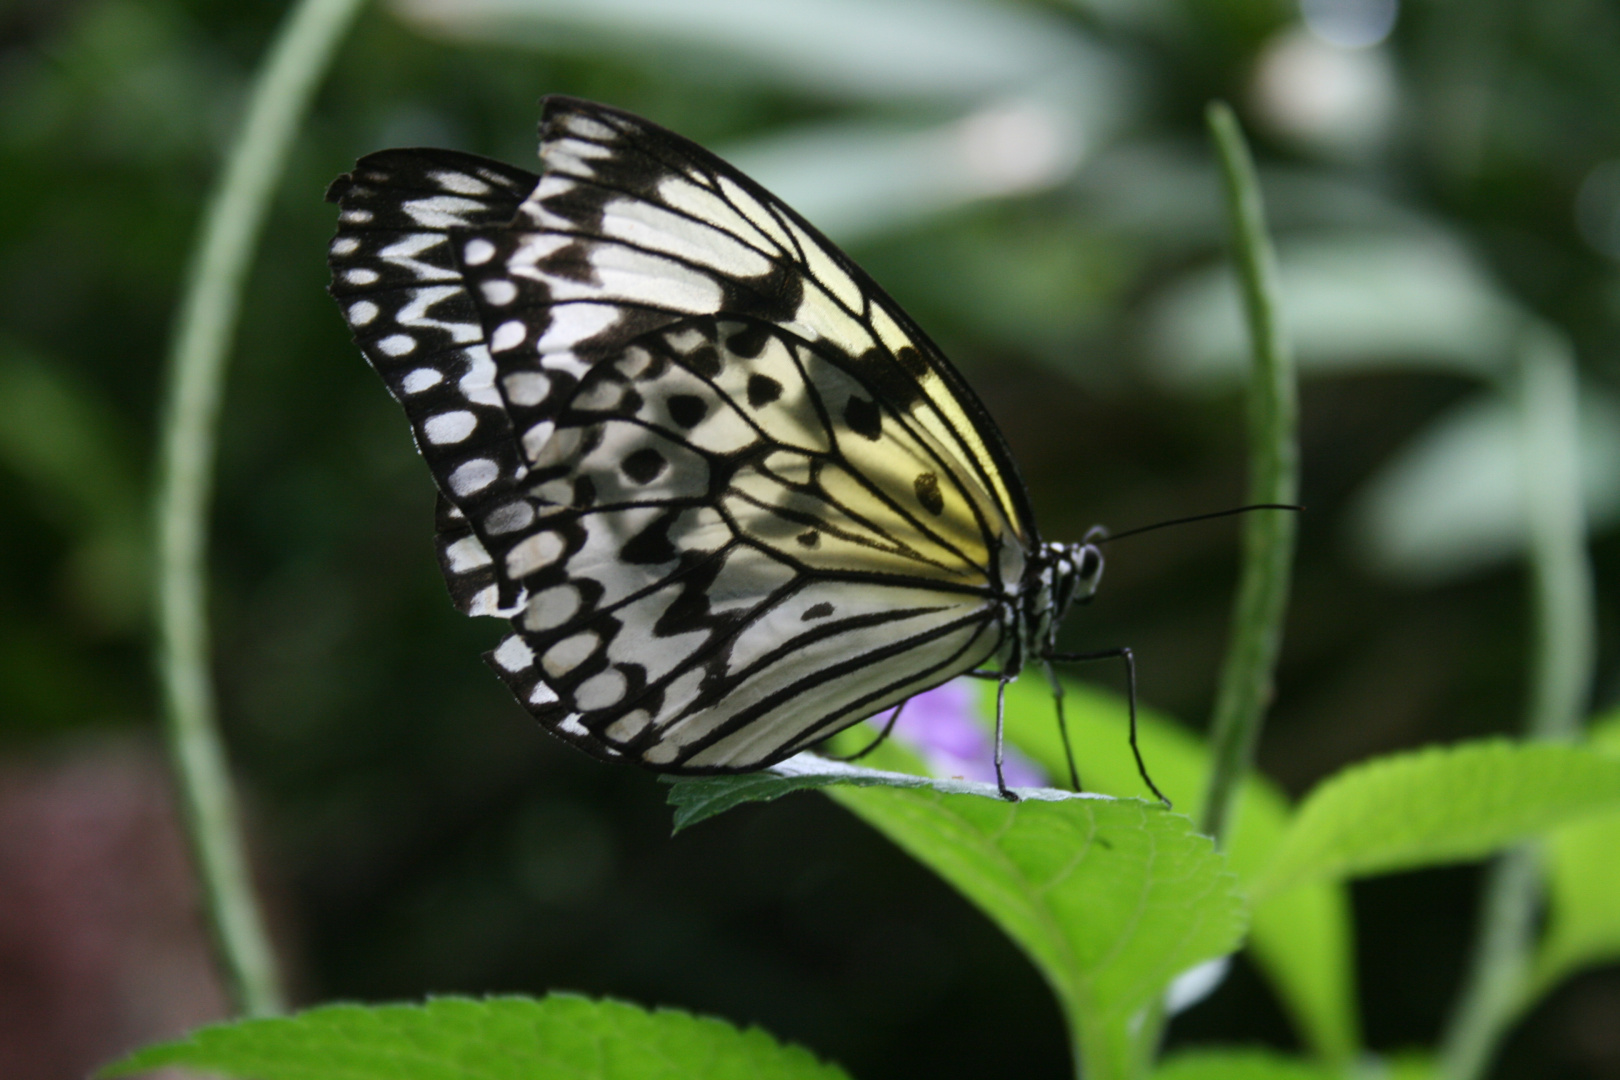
(739, 502)
(405, 300)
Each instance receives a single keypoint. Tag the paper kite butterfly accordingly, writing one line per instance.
(731, 499)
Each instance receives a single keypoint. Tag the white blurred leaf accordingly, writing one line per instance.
(1451, 502)
(854, 179)
(1350, 303)
(951, 49)
(1167, 193)
(1038, 92)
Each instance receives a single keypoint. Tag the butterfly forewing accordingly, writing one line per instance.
(634, 225)
(732, 499)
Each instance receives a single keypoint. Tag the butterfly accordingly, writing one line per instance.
(731, 499)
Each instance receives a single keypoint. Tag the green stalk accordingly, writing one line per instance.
(1245, 687)
(1563, 613)
(1268, 538)
(1561, 574)
(204, 328)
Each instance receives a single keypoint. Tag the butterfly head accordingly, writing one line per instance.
(1067, 574)
(1076, 572)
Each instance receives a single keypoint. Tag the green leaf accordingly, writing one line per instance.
(1301, 939)
(697, 799)
(562, 1036)
(1111, 898)
(1255, 1063)
(1583, 887)
(1240, 1063)
(1438, 805)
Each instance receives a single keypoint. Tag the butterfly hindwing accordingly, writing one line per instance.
(703, 562)
(404, 298)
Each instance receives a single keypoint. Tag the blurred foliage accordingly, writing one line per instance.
(1030, 181)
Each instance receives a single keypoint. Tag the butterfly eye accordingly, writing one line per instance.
(1090, 565)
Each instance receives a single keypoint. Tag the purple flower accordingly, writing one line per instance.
(942, 727)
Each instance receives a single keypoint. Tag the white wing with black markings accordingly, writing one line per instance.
(731, 498)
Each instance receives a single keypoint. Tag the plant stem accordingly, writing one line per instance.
(204, 328)
(1268, 537)
(1245, 687)
(1561, 573)
(1560, 680)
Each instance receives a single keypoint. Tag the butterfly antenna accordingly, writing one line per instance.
(1109, 538)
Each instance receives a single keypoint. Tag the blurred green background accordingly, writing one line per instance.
(1032, 182)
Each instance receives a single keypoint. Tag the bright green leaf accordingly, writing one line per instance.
(1111, 898)
(1301, 939)
(697, 799)
(1438, 805)
(561, 1036)
(1583, 887)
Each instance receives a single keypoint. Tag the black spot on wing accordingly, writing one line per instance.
(809, 538)
(572, 262)
(817, 611)
(687, 410)
(703, 360)
(652, 545)
(864, 418)
(893, 382)
(762, 390)
(582, 205)
(927, 488)
(774, 297)
(913, 362)
(644, 465)
(750, 341)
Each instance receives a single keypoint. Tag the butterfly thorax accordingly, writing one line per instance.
(1055, 577)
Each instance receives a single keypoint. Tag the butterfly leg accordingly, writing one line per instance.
(1001, 710)
(1063, 725)
(1129, 657)
(875, 743)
